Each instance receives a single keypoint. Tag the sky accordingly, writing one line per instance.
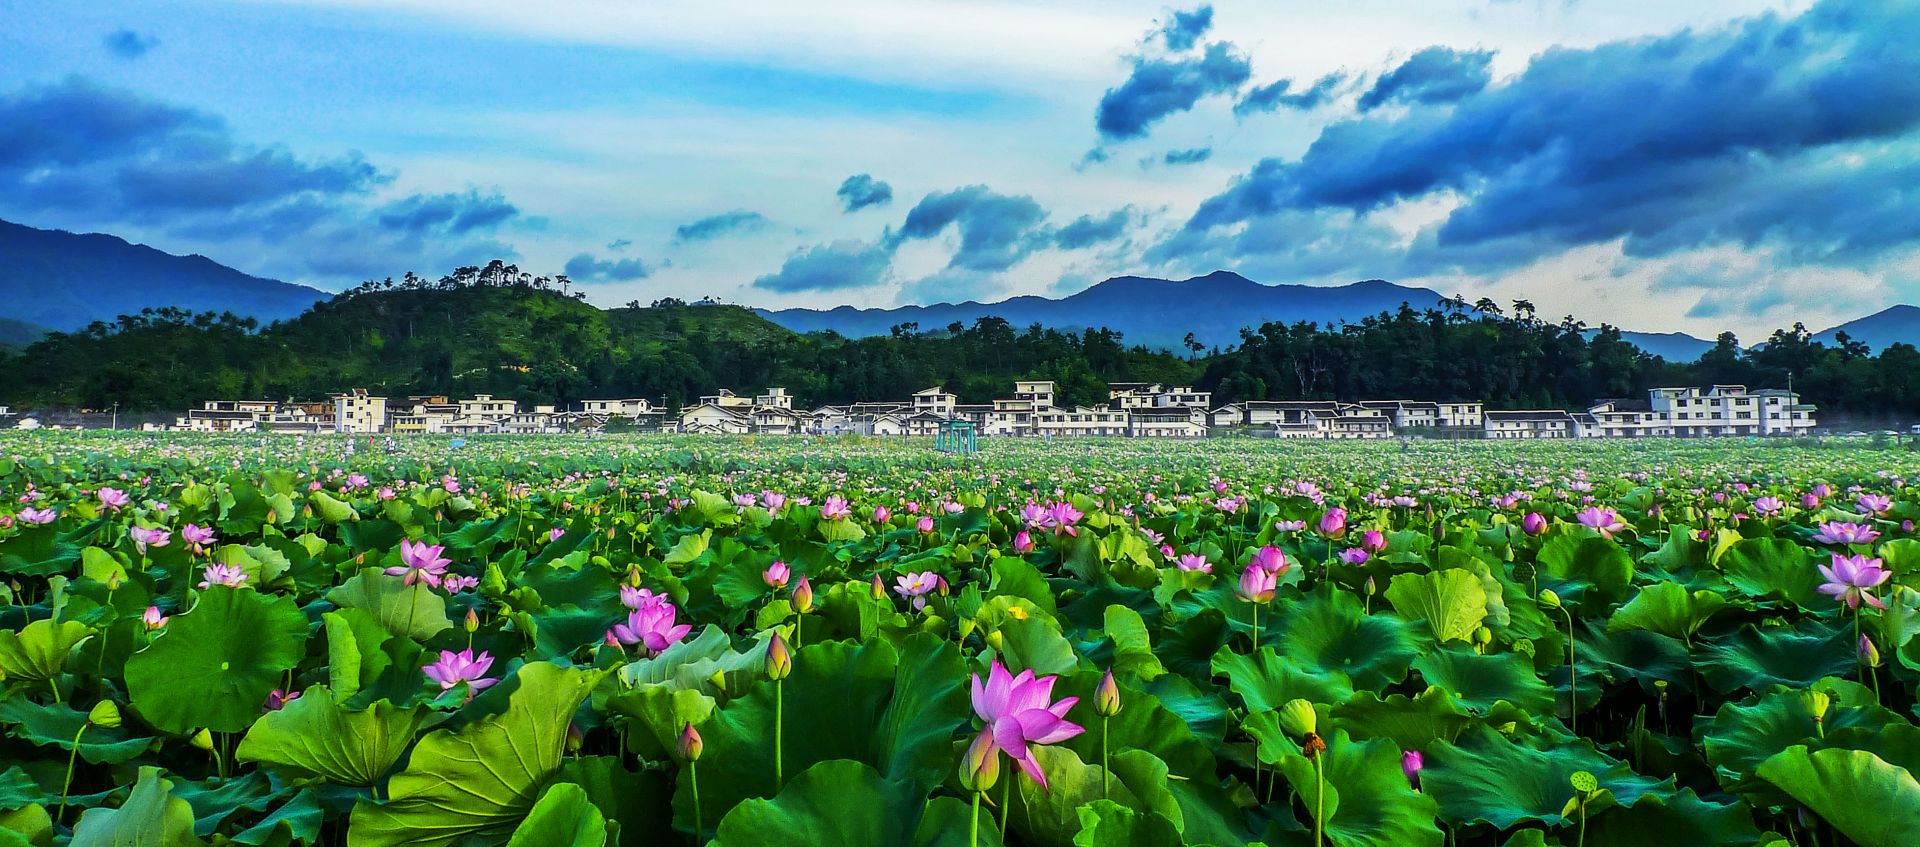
(1662, 166)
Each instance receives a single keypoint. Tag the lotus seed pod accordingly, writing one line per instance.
(203, 740)
(1584, 782)
(104, 714)
(1298, 718)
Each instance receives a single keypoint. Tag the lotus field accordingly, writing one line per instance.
(667, 640)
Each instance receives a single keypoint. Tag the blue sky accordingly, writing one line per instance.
(1659, 165)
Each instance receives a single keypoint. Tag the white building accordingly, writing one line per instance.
(1532, 423)
(1731, 410)
(359, 412)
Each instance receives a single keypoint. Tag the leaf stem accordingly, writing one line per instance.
(67, 783)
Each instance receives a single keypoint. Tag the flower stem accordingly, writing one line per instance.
(1319, 798)
(1106, 770)
(1256, 627)
(974, 824)
(1006, 810)
(779, 733)
(67, 783)
(1573, 677)
(693, 781)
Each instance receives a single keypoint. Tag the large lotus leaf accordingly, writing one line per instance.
(697, 662)
(1773, 568)
(1379, 809)
(474, 785)
(657, 713)
(1016, 577)
(1479, 681)
(1325, 632)
(1681, 818)
(354, 655)
(1143, 724)
(1486, 778)
(1132, 648)
(1104, 822)
(895, 710)
(37, 551)
(1265, 680)
(562, 817)
(1874, 803)
(1188, 647)
(635, 801)
(1049, 816)
(1035, 644)
(40, 649)
(214, 800)
(55, 725)
(1668, 609)
(1796, 656)
(316, 736)
(151, 816)
(1742, 736)
(1635, 654)
(295, 821)
(1452, 602)
(840, 803)
(214, 666)
(1409, 722)
(1590, 573)
(1203, 711)
(412, 611)
(27, 826)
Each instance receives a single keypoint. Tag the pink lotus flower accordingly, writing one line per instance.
(113, 499)
(1373, 541)
(1355, 555)
(774, 500)
(1257, 584)
(1289, 526)
(356, 482)
(455, 668)
(639, 598)
(881, 515)
(1602, 520)
(1876, 504)
(652, 628)
(1019, 712)
(1195, 563)
(198, 537)
(1808, 501)
(915, 587)
(1768, 505)
(1333, 524)
(1062, 518)
(835, 508)
(924, 525)
(1271, 559)
(1411, 763)
(278, 699)
(153, 619)
(232, 576)
(1837, 532)
(38, 517)
(776, 575)
(144, 538)
(1022, 543)
(556, 533)
(385, 493)
(1533, 524)
(456, 583)
(1850, 577)
(420, 563)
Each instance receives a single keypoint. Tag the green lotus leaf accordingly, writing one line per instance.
(1872, 802)
(843, 803)
(1329, 632)
(1668, 609)
(331, 509)
(1680, 818)
(1452, 602)
(214, 666)
(897, 710)
(1035, 644)
(1265, 680)
(1132, 647)
(658, 713)
(635, 801)
(473, 786)
(315, 735)
(40, 649)
(1759, 658)
(1776, 569)
(1479, 681)
(1591, 573)
(1409, 722)
(295, 821)
(1742, 736)
(37, 551)
(1486, 778)
(1016, 577)
(1380, 809)
(27, 826)
(1105, 822)
(1050, 816)
(562, 817)
(56, 725)
(151, 816)
(409, 611)
(1143, 724)
(354, 655)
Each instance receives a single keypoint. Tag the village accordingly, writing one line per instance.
(1133, 410)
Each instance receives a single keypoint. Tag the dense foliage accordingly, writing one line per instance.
(498, 330)
(654, 640)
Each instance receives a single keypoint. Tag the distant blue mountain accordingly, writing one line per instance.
(1882, 328)
(63, 281)
(1155, 312)
(1671, 346)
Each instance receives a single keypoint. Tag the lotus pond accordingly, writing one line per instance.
(671, 640)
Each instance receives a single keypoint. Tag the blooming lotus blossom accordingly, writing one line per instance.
(915, 587)
(639, 598)
(1837, 532)
(421, 563)
(651, 627)
(144, 538)
(556, 533)
(356, 482)
(1373, 541)
(1019, 712)
(1875, 504)
(1195, 563)
(37, 517)
(455, 668)
(1333, 524)
(153, 619)
(198, 537)
(1257, 584)
(1289, 526)
(278, 699)
(1062, 517)
(1768, 505)
(835, 508)
(1602, 520)
(1355, 555)
(773, 500)
(776, 575)
(456, 583)
(1850, 577)
(232, 576)
(113, 499)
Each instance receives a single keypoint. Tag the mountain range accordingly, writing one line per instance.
(62, 281)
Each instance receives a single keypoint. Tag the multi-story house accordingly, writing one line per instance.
(1154, 395)
(1015, 415)
(357, 411)
(1732, 410)
(1461, 415)
(1627, 418)
(1407, 414)
(1533, 423)
(934, 400)
(1167, 422)
(1079, 420)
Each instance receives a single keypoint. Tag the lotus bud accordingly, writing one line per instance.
(1106, 696)
(1373, 541)
(1298, 718)
(633, 575)
(980, 765)
(574, 738)
(779, 658)
(690, 744)
(360, 558)
(879, 588)
(113, 580)
(1373, 588)
(153, 619)
(104, 714)
(1410, 764)
(1533, 524)
(1869, 653)
(1549, 600)
(995, 640)
(803, 596)
(473, 622)
(203, 740)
